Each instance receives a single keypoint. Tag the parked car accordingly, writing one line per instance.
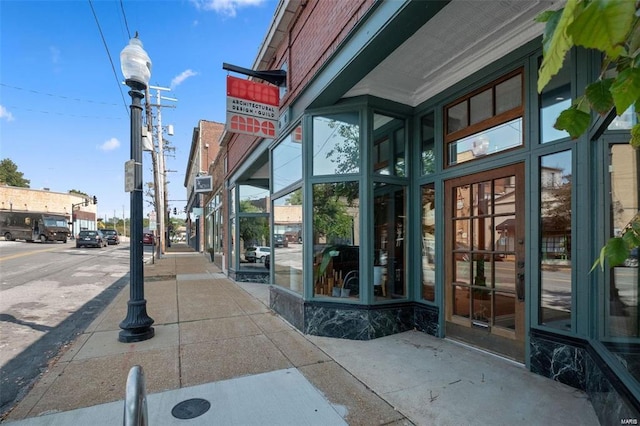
(91, 239)
(112, 236)
(148, 239)
(259, 254)
(632, 260)
(280, 241)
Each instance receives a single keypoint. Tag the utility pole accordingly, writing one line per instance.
(160, 191)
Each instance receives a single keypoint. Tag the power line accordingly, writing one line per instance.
(56, 96)
(13, 107)
(126, 24)
(110, 60)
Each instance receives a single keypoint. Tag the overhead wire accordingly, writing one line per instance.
(124, 102)
(56, 96)
(13, 107)
(126, 24)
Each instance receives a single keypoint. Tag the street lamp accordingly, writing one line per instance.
(136, 68)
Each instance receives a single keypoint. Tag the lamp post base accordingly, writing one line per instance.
(136, 327)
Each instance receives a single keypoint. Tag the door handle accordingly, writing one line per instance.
(520, 287)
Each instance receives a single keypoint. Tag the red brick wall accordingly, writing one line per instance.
(239, 147)
(315, 35)
(210, 134)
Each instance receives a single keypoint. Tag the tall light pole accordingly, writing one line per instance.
(136, 68)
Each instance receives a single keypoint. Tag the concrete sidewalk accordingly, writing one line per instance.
(217, 340)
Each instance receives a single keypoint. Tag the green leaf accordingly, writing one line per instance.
(635, 136)
(616, 251)
(558, 46)
(553, 17)
(599, 261)
(574, 121)
(582, 104)
(546, 16)
(599, 96)
(631, 239)
(634, 40)
(626, 89)
(603, 25)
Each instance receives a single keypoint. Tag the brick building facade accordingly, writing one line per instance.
(26, 199)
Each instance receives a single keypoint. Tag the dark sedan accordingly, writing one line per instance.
(112, 236)
(91, 239)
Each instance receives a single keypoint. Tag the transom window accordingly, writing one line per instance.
(486, 121)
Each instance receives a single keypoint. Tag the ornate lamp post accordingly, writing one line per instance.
(136, 68)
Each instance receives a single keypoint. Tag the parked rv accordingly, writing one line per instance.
(31, 226)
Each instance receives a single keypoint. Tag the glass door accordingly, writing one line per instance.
(485, 281)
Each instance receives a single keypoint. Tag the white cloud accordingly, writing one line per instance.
(179, 79)
(55, 54)
(225, 7)
(110, 145)
(4, 113)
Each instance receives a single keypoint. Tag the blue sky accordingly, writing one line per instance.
(64, 112)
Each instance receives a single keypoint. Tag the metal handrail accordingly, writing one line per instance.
(135, 401)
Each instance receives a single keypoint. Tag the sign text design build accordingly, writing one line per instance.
(252, 108)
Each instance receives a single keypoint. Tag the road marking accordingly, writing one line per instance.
(27, 253)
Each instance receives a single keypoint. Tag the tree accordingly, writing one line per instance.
(253, 230)
(612, 28)
(75, 191)
(9, 174)
(331, 219)
(347, 153)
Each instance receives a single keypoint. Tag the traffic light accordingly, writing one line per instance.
(95, 200)
(175, 211)
(86, 203)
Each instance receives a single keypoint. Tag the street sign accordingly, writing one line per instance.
(129, 176)
(152, 221)
(252, 108)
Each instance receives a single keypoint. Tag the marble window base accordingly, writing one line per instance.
(574, 362)
(354, 322)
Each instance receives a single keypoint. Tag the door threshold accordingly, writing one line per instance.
(484, 351)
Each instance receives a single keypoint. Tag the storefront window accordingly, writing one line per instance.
(232, 201)
(500, 138)
(486, 121)
(336, 240)
(388, 147)
(555, 240)
(428, 143)
(287, 241)
(389, 241)
(555, 98)
(254, 241)
(622, 301)
(428, 242)
(336, 144)
(232, 246)
(622, 311)
(217, 227)
(253, 199)
(286, 162)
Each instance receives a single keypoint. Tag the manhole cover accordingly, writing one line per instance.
(191, 408)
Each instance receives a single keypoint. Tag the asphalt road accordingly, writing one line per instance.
(49, 294)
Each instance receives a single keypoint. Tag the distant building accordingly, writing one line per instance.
(14, 198)
(204, 149)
